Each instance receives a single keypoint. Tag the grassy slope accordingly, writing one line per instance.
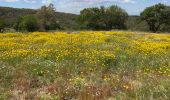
(87, 65)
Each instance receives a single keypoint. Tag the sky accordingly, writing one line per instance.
(133, 7)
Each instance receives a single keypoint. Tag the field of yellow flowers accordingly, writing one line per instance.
(84, 66)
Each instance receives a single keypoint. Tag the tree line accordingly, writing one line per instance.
(156, 17)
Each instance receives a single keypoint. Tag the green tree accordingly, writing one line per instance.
(2, 26)
(115, 18)
(26, 23)
(17, 23)
(47, 18)
(29, 23)
(156, 16)
(90, 18)
(103, 18)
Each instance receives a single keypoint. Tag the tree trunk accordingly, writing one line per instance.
(1, 30)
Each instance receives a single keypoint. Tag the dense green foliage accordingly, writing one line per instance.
(26, 23)
(2, 25)
(157, 16)
(103, 18)
(9, 15)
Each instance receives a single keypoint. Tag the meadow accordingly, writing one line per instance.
(84, 66)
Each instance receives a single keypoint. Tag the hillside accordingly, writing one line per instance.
(68, 21)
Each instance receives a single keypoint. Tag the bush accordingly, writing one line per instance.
(2, 26)
(26, 23)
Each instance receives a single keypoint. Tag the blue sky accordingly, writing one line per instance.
(133, 7)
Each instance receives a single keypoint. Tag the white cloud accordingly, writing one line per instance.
(9, 0)
(26, 1)
(73, 1)
(46, 1)
(98, 1)
(166, 1)
(30, 1)
(74, 6)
